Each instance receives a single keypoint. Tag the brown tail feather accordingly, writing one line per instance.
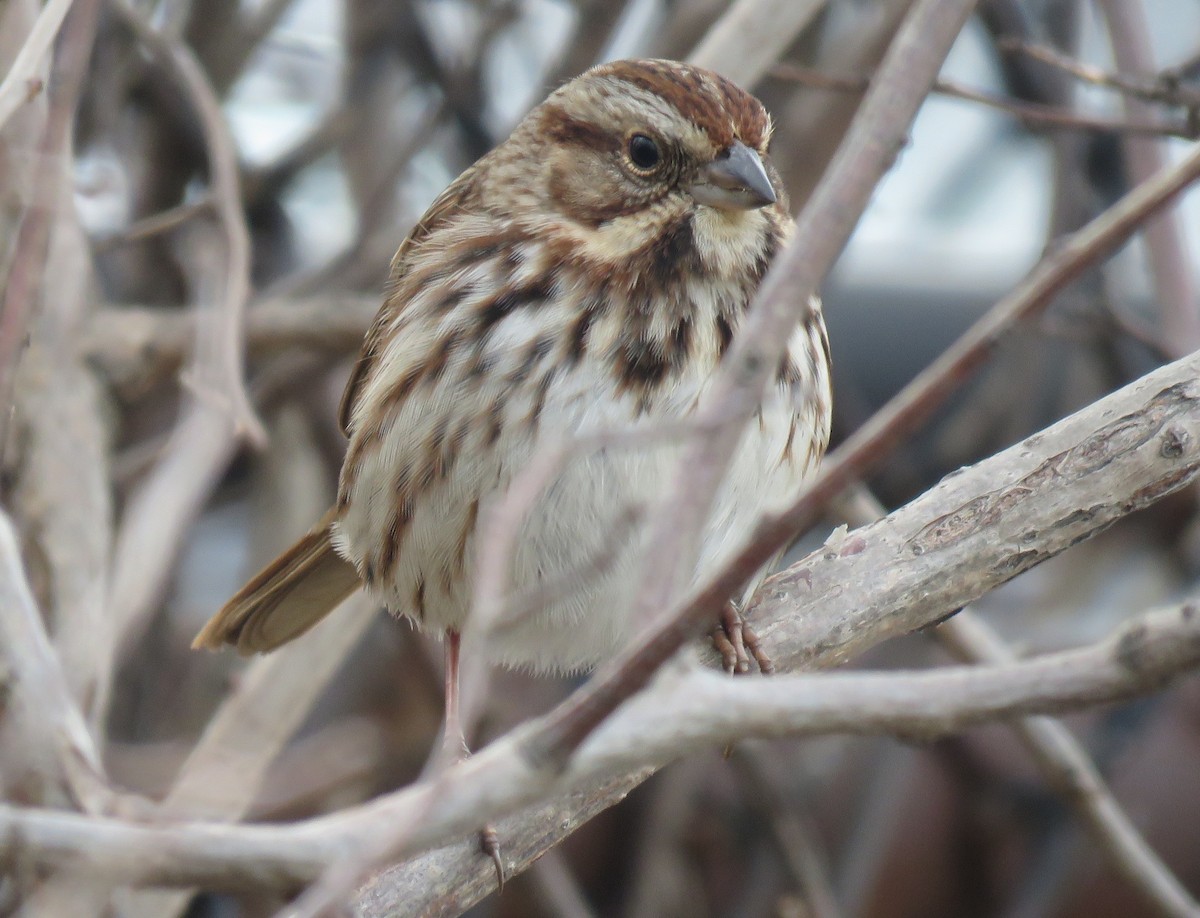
(286, 598)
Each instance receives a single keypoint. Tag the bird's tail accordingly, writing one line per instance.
(286, 598)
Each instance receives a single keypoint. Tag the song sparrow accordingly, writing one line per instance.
(586, 274)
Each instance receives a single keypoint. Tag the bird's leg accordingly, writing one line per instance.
(733, 637)
(454, 743)
(455, 748)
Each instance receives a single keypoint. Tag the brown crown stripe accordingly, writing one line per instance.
(710, 103)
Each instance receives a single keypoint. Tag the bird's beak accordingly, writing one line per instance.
(735, 180)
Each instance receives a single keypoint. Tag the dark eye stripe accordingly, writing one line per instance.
(563, 128)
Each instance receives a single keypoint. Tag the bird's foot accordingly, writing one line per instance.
(737, 644)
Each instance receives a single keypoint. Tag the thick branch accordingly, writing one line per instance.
(688, 710)
(44, 729)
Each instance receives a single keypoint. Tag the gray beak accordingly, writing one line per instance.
(735, 180)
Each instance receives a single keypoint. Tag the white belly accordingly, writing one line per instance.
(577, 552)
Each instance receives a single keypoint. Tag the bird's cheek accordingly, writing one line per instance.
(587, 189)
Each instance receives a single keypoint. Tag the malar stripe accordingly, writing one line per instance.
(667, 259)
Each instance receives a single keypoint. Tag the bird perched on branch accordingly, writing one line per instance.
(587, 274)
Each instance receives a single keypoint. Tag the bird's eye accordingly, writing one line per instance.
(644, 153)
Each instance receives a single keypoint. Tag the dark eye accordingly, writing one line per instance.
(643, 152)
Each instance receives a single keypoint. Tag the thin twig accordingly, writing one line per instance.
(22, 82)
(557, 887)
(794, 834)
(160, 509)
(1171, 270)
(1169, 92)
(136, 346)
(154, 224)
(1070, 773)
(1032, 113)
(750, 36)
(51, 731)
(226, 344)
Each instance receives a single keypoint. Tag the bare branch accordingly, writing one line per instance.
(136, 347)
(1032, 113)
(1064, 763)
(750, 36)
(221, 777)
(1170, 270)
(20, 292)
(1167, 92)
(689, 709)
(1071, 774)
(224, 343)
(46, 729)
(22, 82)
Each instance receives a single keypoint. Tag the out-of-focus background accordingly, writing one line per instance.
(268, 157)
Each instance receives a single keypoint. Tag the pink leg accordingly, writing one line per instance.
(454, 743)
(455, 749)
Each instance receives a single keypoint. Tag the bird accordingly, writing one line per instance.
(589, 273)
